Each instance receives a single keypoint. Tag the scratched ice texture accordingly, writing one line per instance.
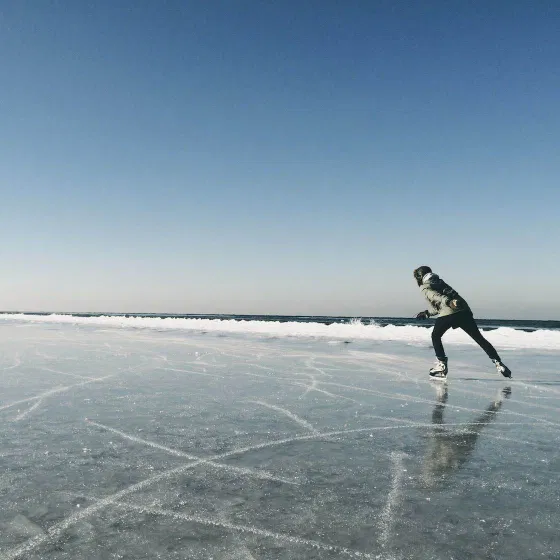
(145, 444)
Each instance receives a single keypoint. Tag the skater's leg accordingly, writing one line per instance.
(443, 324)
(468, 324)
(437, 414)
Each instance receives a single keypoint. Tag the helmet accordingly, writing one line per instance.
(420, 272)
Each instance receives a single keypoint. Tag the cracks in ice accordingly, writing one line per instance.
(387, 516)
(289, 414)
(242, 552)
(316, 382)
(286, 539)
(310, 364)
(197, 460)
(57, 390)
(41, 397)
(16, 364)
(84, 377)
(309, 388)
(189, 371)
(56, 531)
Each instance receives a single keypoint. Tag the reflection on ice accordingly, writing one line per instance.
(450, 448)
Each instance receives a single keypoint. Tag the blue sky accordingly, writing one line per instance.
(279, 156)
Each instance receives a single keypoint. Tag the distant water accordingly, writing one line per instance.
(527, 325)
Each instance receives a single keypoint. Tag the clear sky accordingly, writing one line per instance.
(279, 156)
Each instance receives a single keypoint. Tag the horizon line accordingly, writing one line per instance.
(186, 315)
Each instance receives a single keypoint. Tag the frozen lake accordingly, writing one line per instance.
(143, 444)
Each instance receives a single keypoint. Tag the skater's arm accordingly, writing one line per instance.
(423, 314)
(437, 301)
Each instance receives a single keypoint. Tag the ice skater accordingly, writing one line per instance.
(453, 312)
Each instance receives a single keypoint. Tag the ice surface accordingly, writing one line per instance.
(142, 444)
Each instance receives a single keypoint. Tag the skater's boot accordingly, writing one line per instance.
(440, 369)
(441, 393)
(502, 368)
(504, 393)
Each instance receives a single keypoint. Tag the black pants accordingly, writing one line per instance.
(463, 320)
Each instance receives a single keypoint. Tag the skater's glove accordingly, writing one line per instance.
(454, 304)
(423, 315)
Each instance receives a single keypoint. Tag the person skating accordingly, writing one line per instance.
(453, 312)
